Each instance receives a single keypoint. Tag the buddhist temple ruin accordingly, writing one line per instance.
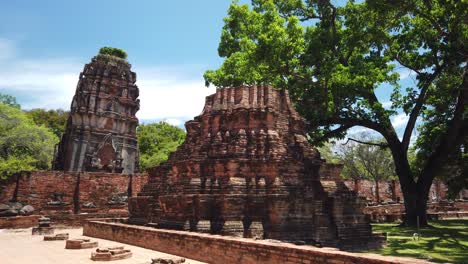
(246, 169)
(101, 130)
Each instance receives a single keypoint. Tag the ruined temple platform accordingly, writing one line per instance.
(18, 247)
(226, 249)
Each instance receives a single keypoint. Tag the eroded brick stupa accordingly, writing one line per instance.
(101, 130)
(246, 168)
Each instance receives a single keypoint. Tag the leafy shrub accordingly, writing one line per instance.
(120, 53)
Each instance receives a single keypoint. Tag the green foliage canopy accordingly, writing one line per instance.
(24, 146)
(156, 141)
(120, 53)
(55, 120)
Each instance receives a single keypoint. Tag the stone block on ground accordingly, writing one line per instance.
(61, 236)
(111, 253)
(26, 210)
(43, 231)
(80, 244)
(167, 260)
(44, 222)
(14, 208)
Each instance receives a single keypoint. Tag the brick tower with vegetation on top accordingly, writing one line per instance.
(101, 130)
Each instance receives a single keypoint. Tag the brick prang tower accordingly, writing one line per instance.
(101, 131)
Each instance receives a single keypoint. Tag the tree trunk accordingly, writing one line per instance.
(415, 195)
(416, 207)
(377, 194)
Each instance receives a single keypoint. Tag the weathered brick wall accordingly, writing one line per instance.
(330, 171)
(7, 189)
(98, 187)
(19, 221)
(138, 181)
(366, 189)
(38, 188)
(227, 250)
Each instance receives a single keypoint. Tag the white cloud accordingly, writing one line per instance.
(400, 120)
(358, 130)
(40, 83)
(387, 104)
(405, 73)
(169, 95)
(174, 121)
(165, 93)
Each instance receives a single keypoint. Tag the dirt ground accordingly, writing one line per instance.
(18, 246)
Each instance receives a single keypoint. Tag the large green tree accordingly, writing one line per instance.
(332, 59)
(156, 141)
(24, 146)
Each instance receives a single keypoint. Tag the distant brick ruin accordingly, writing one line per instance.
(101, 130)
(246, 168)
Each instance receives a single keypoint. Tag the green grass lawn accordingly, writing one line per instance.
(446, 241)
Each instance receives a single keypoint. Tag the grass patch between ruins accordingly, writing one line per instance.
(446, 241)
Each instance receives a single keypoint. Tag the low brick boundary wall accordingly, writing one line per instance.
(227, 250)
(19, 221)
(78, 220)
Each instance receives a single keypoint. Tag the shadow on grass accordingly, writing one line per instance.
(446, 241)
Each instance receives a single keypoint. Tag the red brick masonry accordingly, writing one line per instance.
(226, 250)
(38, 187)
(19, 221)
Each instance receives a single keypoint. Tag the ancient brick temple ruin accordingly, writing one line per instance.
(246, 168)
(101, 130)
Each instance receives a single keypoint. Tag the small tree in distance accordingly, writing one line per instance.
(9, 100)
(372, 161)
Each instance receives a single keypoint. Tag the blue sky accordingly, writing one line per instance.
(161, 32)
(44, 45)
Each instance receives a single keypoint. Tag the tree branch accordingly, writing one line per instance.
(354, 122)
(333, 133)
(382, 145)
(417, 108)
(397, 58)
(456, 131)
